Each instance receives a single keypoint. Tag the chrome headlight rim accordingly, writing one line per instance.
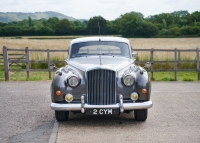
(76, 77)
(130, 77)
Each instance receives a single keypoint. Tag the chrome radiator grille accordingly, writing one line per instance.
(101, 87)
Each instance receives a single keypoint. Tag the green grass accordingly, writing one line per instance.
(21, 76)
(169, 76)
(158, 76)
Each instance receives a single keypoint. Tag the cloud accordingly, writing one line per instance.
(108, 9)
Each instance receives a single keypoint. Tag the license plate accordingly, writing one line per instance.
(102, 111)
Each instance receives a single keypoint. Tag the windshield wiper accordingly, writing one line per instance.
(105, 54)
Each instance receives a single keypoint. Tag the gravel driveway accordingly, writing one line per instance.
(174, 117)
(25, 116)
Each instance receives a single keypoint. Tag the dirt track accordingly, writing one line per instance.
(26, 117)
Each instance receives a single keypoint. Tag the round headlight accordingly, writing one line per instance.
(73, 81)
(128, 80)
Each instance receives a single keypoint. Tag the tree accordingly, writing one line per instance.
(1, 31)
(45, 31)
(146, 30)
(175, 31)
(38, 25)
(93, 27)
(194, 17)
(11, 30)
(111, 28)
(190, 30)
(63, 27)
(166, 19)
(80, 30)
(29, 21)
(129, 23)
(164, 23)
(51, 22)
(2, 24)
(181, 13)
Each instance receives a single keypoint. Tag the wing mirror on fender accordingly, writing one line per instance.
(147, 65)
(134, 54)
(53, 67)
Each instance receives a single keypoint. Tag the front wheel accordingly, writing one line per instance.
(141, 115)
(62, 115)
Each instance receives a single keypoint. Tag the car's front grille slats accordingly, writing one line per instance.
(101, 87)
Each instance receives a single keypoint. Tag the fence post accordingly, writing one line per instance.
(27, 61)
(175, 64)
(6, 64)
(151, 62)
(48, 58)
(198, 70)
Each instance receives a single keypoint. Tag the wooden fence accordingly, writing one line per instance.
(25, 59)
(177, 59)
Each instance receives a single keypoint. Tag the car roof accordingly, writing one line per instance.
(87, 39)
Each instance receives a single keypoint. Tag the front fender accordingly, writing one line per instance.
(58, 83)
(143, 82)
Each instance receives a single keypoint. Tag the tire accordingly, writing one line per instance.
(62, 115)
(141, 115)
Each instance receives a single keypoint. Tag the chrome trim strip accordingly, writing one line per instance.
(102, 106)
(134, 106)
(126, 106)
(68, 107)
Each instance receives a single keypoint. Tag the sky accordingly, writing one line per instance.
(109, 9)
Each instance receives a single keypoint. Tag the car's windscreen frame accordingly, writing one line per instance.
(114, 48)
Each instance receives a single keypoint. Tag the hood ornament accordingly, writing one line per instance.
(100, 60)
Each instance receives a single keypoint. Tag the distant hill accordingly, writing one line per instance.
(7, 17)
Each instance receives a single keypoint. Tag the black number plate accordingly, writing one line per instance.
(102, 111)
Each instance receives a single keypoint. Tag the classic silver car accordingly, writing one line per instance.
(100, 78)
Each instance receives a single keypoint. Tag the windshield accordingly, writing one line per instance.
(100, 48)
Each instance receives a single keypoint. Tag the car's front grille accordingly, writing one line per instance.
(101, 87)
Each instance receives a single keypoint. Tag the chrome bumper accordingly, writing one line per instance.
(81, 107)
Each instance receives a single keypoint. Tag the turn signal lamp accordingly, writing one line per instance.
(144, 91)
(58, 93)
(134, 96)
(68, 97)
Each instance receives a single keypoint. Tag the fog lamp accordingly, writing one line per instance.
(68, 97)
(58, 93)
(134, 96)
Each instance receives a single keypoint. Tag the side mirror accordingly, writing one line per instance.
(53, 67)
(147, 65)
(134, 54)
(66, 61)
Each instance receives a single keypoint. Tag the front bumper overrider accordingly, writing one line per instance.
(81, 107)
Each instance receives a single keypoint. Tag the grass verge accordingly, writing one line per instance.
(169, 76)
(158, 76)
(21, 76)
